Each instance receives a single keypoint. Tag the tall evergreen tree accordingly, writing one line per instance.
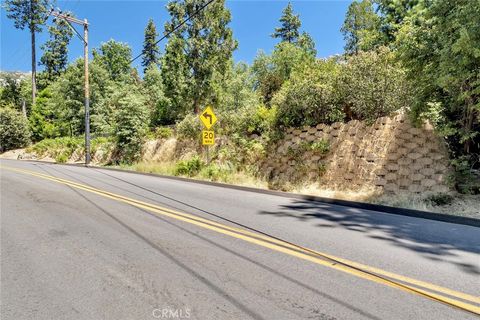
(31, 14)
(55, 50)
(150, 50)
(393, 13)
(289, 31)
(361, 28)
(196, 51)
(305, 41)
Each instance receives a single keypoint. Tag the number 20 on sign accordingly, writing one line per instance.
(208, 137)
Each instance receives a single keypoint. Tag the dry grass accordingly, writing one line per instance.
(362, 195)
(163, 168)
(462, 205)
(169, 168)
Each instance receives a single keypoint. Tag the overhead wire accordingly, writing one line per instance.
(177, 26)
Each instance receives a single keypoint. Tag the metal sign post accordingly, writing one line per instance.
(208, 118)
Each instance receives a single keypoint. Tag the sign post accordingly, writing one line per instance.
(208, 118)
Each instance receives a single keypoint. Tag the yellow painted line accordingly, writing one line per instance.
(415, 282)
(290, 249)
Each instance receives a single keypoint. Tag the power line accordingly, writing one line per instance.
(178, 26)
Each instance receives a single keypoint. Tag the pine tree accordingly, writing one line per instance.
(305, 41)
(31, 14)
(150, 50)
(289, 31)
(55, 50)
(361, 28)
(393, 13)
(196, 51)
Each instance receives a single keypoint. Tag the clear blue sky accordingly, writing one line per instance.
(252, 24)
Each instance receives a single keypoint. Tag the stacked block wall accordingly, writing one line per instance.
(390, 155)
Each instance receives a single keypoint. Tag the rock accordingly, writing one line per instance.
(312, 130)
(425, 161)
(427, 171)
(428, 183)
(440, 188)
(414, 155)
(391, 177)
(415, 131)
(337, 125)
(404, 161)
(417, 177)
(392, 167)
(415, 188)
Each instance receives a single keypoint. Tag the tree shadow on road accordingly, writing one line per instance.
(435, 240)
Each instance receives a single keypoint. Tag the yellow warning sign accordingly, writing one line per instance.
(208, 137)
(208, 118)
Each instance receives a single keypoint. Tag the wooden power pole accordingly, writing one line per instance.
(69, 19)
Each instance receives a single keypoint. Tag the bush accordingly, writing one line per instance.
(372, 85)
(321, 146)
(310, 97)
(215, 172)
(61, 158)
(248, 120)
(61, 149)
(188, 167)
(440, 199)
(464, 177)
(163, 133)
(131, 124)
(189, 127)
(14, 130)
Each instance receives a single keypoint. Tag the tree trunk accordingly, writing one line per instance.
(34, 65)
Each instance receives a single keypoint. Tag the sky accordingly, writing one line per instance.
(252, 23)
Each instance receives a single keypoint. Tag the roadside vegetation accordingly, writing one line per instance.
(420, 57)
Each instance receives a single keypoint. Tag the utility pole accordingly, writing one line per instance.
(87, 93)
(69, 19)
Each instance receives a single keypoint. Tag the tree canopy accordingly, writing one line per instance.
(290, 25)
(151, 51)
(196, 51)
(361, 28)
(55, 50)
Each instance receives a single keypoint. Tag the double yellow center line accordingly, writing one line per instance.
(434, 292)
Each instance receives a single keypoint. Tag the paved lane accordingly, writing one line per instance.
(73, 254)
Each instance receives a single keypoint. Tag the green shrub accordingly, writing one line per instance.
(188, 167)
(100, 142)
(372, 85)
(14, 130)
(163, 133)
(322, 168)
(61, 158)
(189, 127)
(61, 149)
(464, 178)
(131, 125)
(215, 172)
(309, 97)
(440, 199)
(321, 146)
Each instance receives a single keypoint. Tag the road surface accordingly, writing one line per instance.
(86, 243)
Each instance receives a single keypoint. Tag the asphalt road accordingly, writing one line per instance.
(142, 247)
